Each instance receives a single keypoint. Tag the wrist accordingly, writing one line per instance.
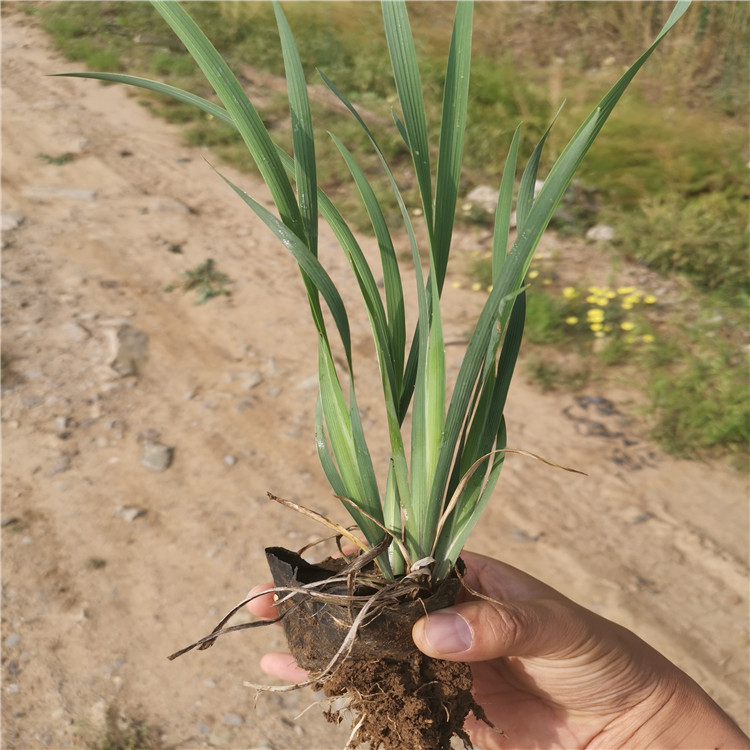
(684, 717)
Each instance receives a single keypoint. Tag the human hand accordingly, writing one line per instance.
(551, 674)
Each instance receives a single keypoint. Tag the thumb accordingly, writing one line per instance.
(482, 630)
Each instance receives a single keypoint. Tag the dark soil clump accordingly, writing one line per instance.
(419, 704)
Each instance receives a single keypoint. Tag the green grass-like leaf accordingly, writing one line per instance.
(434, 496)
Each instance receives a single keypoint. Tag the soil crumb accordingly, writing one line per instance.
(419, 704)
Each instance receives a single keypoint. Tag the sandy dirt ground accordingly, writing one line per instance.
(109, 566)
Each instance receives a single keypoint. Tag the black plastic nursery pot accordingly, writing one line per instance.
(396, 697)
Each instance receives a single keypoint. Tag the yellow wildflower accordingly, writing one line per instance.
(533, 273)
(649, 299)
(476, 286)
(602, 301)
(623, 290)
(571, 320)
(627, 325)
(456, 284)
(569, 292)
(595, 315)
(647, 338)
(597, 327)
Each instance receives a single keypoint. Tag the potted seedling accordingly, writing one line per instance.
(348, 620)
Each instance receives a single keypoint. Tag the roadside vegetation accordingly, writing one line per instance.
(669, 175)
(115, 731)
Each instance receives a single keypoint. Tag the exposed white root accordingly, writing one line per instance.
(350, 742)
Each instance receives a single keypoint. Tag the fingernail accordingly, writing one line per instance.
(448, 633)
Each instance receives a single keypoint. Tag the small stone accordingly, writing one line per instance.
(62, 464)
(12, 220)
(165, 204)
(129, 350)
(12, 640)
(307, 384)
(485, 197)
(62, 423)
(251, 380)
(52, 191)
(76, 332)
(78, 145)
(600, 233)
(129, 512)
(230, 460)
(220, 738)
(233, 720)
(203, 728)
(244, 404)
(156, 456)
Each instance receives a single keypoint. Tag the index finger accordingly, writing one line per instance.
(262, 606)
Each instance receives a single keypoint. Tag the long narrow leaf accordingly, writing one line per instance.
(394, 292)
(410, 370)
(315, 272)
(349, 461)
(527, 187)
(302, 132)
(391, 342)
(487, 434)
(452, 128)
(572, 155)
(242, 112)
(450, 546)
(324, 452)
(409, 87)
(504, 208)
(520, 255)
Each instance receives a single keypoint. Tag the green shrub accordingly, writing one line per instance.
(705, 238)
